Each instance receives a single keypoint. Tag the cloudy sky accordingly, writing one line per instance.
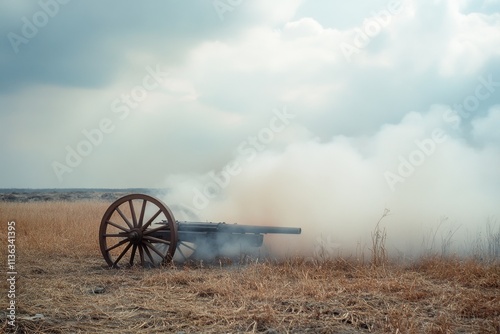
(360, 101)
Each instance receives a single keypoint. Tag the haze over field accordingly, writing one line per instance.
(316, 114)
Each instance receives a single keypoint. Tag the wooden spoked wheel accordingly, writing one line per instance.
(185, 251)
(138, 229)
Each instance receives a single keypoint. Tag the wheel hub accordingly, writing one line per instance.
(135, 236)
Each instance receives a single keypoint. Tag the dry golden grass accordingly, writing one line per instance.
(56, 227)
(61, 275)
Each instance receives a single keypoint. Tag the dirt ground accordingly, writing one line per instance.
(78, 295)
(63, 286)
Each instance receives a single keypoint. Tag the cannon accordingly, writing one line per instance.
(140, 229)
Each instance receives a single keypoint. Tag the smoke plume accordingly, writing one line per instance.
(438, 176)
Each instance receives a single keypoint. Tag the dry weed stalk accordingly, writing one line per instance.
(379, 235)
(493, 240)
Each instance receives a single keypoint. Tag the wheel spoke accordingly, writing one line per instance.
(132, 211)
(182, 253)
(148, 253)
(147, 237)
(148, 244)
(134, 248)
(117, 226)
(117, 245)
(145, 226)
(143, 211)
(124, 218)
(121, 254)
(114, 235)
(186, 245)
(141, 254)
(156, 229)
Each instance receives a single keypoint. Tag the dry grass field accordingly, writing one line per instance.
(63, 286)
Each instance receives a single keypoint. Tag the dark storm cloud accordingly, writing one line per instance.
(84, 43)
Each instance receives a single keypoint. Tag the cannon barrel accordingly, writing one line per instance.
(234, 228)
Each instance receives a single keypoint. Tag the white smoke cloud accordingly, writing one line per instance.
(337, 190)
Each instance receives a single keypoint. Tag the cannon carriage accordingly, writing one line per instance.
(139, 229)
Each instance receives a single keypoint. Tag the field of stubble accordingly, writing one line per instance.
(63, 287)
